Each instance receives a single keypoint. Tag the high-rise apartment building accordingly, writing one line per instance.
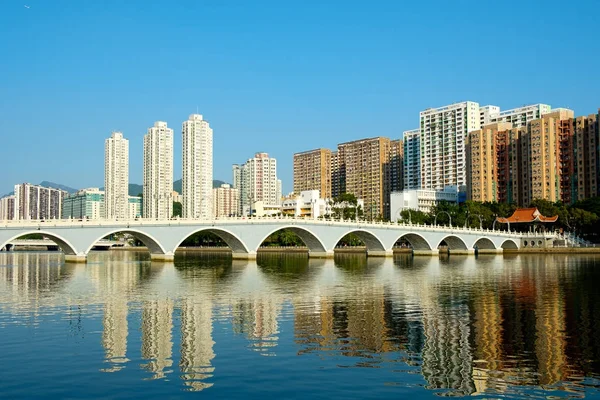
(158, 172)
(226, 201)
(365, 164)
(518, 117)
(7, 208)
(33, 202)
(486, 113)
(486, 155)
(197, 163)
(338, 173)
(412, 159)
(395, 167)
(84, 204)
(257, 181)
(544, 152)
(443, 137)
(312, 171)
(587, 160)
(553, 158)
(116, 176)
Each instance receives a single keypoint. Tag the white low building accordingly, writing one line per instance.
(307, 204)
(420, 200)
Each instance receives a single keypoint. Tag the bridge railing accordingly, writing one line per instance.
(41, 224)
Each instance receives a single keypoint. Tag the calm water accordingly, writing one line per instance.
(285, 326)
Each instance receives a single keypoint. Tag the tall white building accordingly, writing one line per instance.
(197, 163)
(257, 181)
(518, 117)
(486, 113)
(158, 172)
(116, 176)
(443, 136)
(412, 159)
(7, 208)
(33, 202)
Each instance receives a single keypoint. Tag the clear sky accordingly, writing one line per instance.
(270, 76)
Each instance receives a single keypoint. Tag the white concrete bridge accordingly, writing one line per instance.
(245, 235)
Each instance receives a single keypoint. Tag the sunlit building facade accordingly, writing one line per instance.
(197, 164)
(158, 172)
(116, 176)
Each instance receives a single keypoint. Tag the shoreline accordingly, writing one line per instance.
(362, 249)
(339, 250)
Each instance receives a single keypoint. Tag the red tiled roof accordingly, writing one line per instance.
(527, 215)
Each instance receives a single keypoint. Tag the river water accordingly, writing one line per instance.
(284, 326)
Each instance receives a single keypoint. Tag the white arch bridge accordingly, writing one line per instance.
(244, 236)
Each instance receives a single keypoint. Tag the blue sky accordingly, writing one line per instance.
(270, 76)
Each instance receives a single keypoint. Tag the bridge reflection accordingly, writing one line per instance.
(473, 326)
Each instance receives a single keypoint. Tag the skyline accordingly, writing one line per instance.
(281, 80)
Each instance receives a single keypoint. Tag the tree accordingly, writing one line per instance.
(177, 209)
(346, 207)
(416, 217)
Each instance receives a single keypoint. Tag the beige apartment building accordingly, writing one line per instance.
(587, 146)
(396, 166)
(544, 155)
(554, 157)
(365, 164)
(312, 171)
(369, 168)
(226, 201)
(482, 161)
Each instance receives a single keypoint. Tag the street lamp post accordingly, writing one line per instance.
(449, 217)
(496, 220)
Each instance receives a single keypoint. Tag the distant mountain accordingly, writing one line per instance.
(49, 185)
(135, 189)
(58, 186)
(177, 185)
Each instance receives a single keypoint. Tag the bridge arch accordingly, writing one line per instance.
(509, 244)
(418, 242)
(231, 239)
(311, 240)
(371, 241)
(484, 244)
(63, 243)
(454, 243)
(150, 242)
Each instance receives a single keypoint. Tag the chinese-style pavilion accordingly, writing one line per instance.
(527, 216)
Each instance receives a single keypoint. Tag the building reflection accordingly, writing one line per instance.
(114, 279)
(257, 320)
(34, 280)
(157, 336)
(484, 326)
(196, 342)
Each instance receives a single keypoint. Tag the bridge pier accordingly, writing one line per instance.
(380, 253)
(244, 256)
(162, 257)
(76, 258)
(433, 252)
(320, 254)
